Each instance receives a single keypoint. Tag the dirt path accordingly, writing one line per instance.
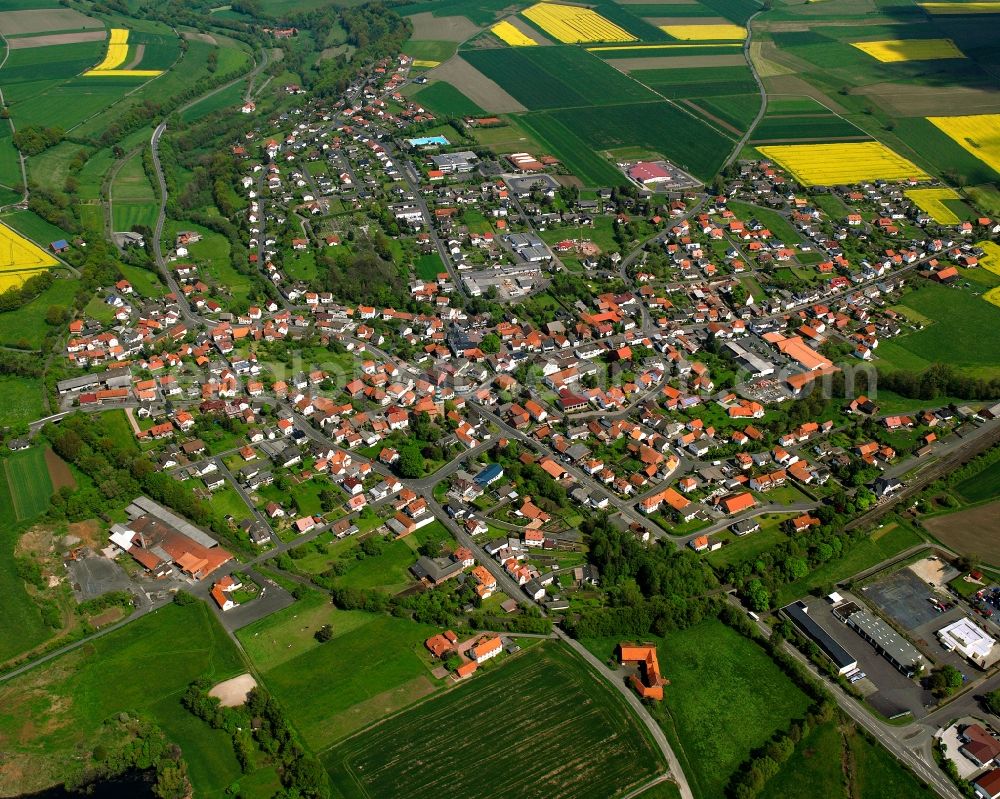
(140, 51)
(720, 122)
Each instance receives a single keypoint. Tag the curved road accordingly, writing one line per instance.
(630, 696)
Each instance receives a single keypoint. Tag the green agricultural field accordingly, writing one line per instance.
(374, 665)
(983, 486)
(568, 734)
(29, 224)
(739, 110)
(30, 71)
(444, 99)
(791, 128)
(673, 50)
(557, 77)
(886, 542)
(794, 106)
(21, 625)
(955, 335)
(698, 81)
(681, 137)
(428, 50)
(924, 140)
(10, 166)
(26, 326)
(133, 199)
(49, 716)
(575, 154)
(739, 11)
(723, 682)
(28, 480)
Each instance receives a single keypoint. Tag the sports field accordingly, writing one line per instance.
(508, 34)
(849, 162)
(893, 50)
(932, 202)
(20, 258)
(979, 134)
(563, 732)
(575, 24)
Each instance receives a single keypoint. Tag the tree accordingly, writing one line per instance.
(992, 700)
(757, 595)
(324, 633)
(411, 463)
(490, 343)
(945, 680)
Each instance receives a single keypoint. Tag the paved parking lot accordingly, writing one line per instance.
(904, 597)
(93, 575)
(893, 692)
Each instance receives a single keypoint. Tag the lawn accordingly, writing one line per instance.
(144, 281)
(748, 547)
(373, 667)
(883, 544)
(956, 336)
(565, 734)
(428, 266)
(212, 256)
(726, 697)
(28, 480)
(50, 715)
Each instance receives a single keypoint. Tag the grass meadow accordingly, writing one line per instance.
(26, 326)
(954, 336)
(47, 716)
(374, 665)
(444, 99)
(726, 697)
(567, 734)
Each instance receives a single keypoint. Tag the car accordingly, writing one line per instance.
(858, 677)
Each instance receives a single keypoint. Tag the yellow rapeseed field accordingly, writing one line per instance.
(849, 162)
(978, 133)
(115, 57)
(574, 24)
(20, 258)
(425, 63)
(990, 261)
(658, 47)
(929, 200)
(993, 296)
(989, 7)
(117, 50)
(511, 35)
(891, 50)
(720, 32)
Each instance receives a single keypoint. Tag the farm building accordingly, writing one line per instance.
(648, 681)
(162, 542)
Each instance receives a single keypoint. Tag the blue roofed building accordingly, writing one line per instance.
(490, 474)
